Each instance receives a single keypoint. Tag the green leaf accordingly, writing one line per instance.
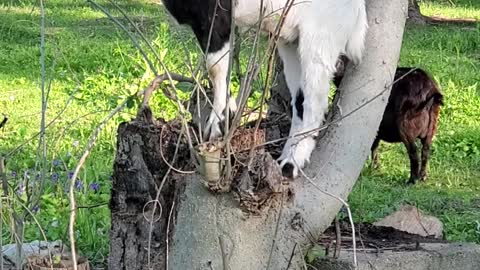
(315, 252)
(184, 86)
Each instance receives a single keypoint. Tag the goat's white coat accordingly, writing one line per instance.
(324, 29)
(217, 65)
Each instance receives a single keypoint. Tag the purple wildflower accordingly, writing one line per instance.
(70, 175)
(20, 188)
(55, 178)
(78, 184)
(56, 162)
(35, 209)
(13, 174)
(95, 187)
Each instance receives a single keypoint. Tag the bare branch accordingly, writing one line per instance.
(82, 160)
(167, 234)
(155, 84)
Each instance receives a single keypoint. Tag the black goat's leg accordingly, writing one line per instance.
(375, 163)
(426, 142)
(413, 155)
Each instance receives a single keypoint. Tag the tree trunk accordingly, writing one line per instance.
(414, 14)
(208, 226)
(138, 170)
(210, 231)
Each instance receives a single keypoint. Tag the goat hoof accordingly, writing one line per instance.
(295, 155)
(288, 170)
(212, 127)
(412, 181)
(375, 166)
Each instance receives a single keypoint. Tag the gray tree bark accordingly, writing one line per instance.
(414, 14)
(211, 232)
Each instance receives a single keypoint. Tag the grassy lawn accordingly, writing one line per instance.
(458, 9)
(452, 191)
(93, 62)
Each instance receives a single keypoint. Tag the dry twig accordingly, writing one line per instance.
(338, 238)
(82, 160)
(346, 206)
(155, 84)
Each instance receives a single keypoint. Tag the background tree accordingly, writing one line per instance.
(414, 14)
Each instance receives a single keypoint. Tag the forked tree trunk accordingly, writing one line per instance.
(209, 231)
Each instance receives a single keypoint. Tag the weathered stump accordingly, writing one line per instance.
(139, 171)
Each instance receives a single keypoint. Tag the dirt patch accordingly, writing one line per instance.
(57, 262)
(374, 239)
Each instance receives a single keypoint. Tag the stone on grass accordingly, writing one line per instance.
(411, 219)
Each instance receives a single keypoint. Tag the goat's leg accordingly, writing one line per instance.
(375, 162)
(317, 68)
(217, 65)
(426, 142)
(292, 69)
(413, 155)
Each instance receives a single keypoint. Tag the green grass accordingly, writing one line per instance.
(458, 9)
(452, 191)
(96, 64)
(90, 59)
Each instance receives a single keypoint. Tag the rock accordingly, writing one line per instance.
(410, 219)
(40, 248)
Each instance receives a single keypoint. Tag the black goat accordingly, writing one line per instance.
(412, 112)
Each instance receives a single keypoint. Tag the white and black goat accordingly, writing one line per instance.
(313, 35)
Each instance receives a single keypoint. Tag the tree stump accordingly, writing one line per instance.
(139, 171)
